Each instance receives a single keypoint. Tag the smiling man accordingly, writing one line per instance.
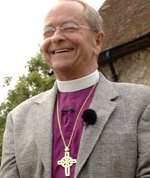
(85, 126)
(71, 46)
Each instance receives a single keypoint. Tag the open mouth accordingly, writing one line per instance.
(64, 50)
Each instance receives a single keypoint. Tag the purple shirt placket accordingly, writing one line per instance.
(75, 101)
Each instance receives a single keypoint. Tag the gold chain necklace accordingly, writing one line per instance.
(67, 161)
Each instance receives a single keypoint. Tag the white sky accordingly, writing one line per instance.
(21, 34)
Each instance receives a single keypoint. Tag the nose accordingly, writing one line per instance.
(57, 36)
(56, 39)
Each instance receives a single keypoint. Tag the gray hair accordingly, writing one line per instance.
(91, 16)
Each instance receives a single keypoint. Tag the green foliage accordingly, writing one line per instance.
(7, 81)
(34, 82)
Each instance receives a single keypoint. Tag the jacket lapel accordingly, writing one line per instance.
(43, 128)
(103, 103)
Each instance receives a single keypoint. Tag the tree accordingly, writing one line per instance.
(34, 82)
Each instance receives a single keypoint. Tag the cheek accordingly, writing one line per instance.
(44, 48)
(84, 42)
(91, 45)
(45, 45)
(76, 39)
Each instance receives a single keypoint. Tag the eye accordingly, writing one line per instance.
(69, 27)
(48, 31)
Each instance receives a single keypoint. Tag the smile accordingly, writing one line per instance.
(64, 50)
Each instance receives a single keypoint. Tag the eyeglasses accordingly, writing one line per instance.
(65, 28)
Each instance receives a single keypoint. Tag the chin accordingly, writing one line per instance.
(62, 65)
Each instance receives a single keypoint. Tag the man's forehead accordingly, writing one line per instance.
(65, 7)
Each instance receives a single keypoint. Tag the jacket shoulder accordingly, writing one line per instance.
(133, 92)
(27, 104)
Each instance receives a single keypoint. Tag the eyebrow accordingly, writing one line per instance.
(45, 28)
(47, 25)
(66, 21)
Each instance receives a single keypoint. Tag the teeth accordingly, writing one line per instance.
(60, 51)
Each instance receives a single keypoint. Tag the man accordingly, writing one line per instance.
(86, 126)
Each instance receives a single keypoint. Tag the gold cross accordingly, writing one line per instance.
(66, 162)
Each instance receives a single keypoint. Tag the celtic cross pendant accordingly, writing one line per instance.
(66, 162)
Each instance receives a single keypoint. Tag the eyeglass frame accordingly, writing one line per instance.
(64, 28)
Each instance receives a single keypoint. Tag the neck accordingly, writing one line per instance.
(71, 75)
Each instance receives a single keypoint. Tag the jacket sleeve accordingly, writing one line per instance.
(143, 164)
(8, 167)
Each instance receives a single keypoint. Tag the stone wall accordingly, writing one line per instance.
(132, 68)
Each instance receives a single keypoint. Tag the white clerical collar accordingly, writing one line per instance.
(78, 84)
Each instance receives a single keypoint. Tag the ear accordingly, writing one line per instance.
(99, 37)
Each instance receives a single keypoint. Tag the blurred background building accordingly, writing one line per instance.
(126, 50)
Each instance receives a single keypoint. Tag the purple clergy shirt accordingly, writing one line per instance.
(68, 100)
